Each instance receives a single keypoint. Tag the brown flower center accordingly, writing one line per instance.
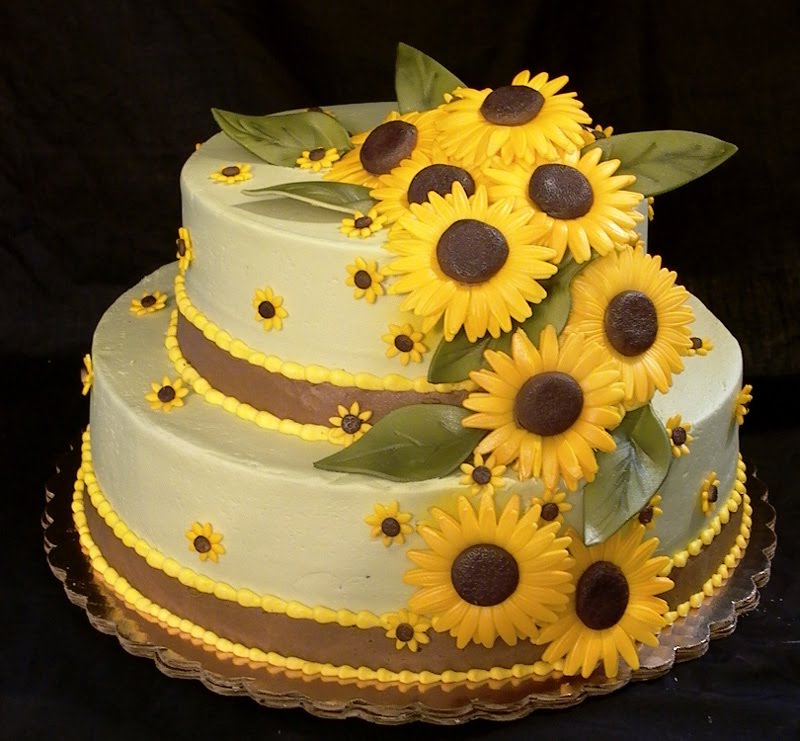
(646, 515)
(166, 394)
(148, 301)
(481, 475)
(351, 424)
(550, 511)
(601, 596)
(387, 146)
(484, 575)
(266, 309)
(439, 179)
(404, 632)
(631, 323)
(315, 155)
(678, 436)
(561, 191)
(548, 403)
(697, 343)
(512, 105)
(362, 279)
(404, 343)
(362, 222)
(181, 246)
(231, 171)
(713, 494)
(471, 251)
(390, 527)
(202, 544)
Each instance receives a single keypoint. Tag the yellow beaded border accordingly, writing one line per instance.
(681, 558)
(86, 483)
(297, 372)
(190, 376)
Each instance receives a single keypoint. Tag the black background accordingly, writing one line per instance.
(101, 103)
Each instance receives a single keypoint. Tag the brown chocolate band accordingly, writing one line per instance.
(338, 645)
(301, 401)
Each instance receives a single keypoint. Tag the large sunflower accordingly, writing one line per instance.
(380, 150)
(473, 264)
(613, 606)
(484, 576)
(514, 122)
(631, 306)
(548, 408)
(576, 202)
(414, 178)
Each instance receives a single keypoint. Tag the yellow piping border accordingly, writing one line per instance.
(297, 372)
(85, 483)
(723, 571)
(734, 501)
(190, 376)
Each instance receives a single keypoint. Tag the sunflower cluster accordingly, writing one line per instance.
(487, 194)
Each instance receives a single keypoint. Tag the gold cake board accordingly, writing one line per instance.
(180, 656)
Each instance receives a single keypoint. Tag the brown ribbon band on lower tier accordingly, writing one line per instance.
(301, 401)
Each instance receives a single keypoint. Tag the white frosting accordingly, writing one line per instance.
(243, 243)
(298, 533)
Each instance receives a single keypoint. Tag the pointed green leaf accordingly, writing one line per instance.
(453, 361)
(413, 443)
(627, 477)
(420, 81)
(280, 139)
(664, 160)
(342, 197)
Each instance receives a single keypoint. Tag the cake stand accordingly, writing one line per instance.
(179, 656)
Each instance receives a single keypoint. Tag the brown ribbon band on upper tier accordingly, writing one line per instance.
(301, 401)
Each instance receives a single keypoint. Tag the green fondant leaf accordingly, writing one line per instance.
(279, 140)
(344, 197)
(627, 477)
(664, 160)
(413, 443)
(420, 81)
(453, 361)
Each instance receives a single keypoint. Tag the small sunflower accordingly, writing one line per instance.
(389, 523)
(351, 424)
(379, 151)
(269, 309)
(651, 214)
(149, 303)
(404, 341)
(231, 174)
(415, 178)
(185, 253)
(485, 576)
(613, 606)
(365, 278)
(648, 514)
(576, 202)
(167, 394)
(709, 492)
(483, 476)
(628, 304)
(205, 542)
(549, 408)
(742, 401)
(553, 505)
(408, 630)
(362, 225)
(679, 436)
(515, 122)
(701, 346)
(87, 374)
(474, 265)
(317, 159)
(592, 134)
